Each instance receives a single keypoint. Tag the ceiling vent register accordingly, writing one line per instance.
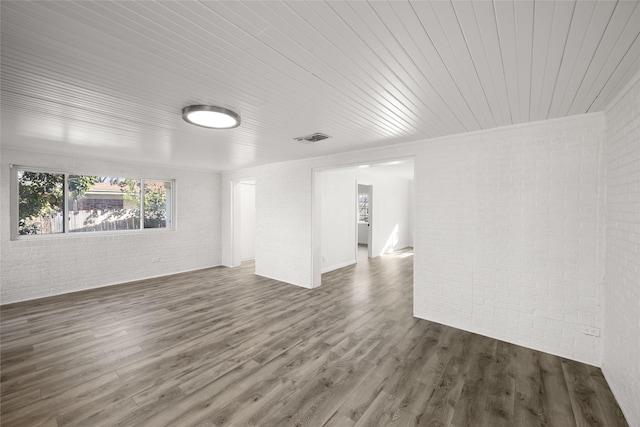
(312, 138)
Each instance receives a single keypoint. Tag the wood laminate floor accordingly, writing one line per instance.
(223, 347)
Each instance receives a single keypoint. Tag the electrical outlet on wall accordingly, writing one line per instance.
(590, 330)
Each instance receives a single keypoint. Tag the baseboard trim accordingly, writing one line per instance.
(338, 266)
(108, 285)
(536, 348)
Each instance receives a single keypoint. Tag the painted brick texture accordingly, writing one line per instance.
(444, 234)
(39, 267)
(507, 235)
(621, 358)
(507, 232)
(283, 222)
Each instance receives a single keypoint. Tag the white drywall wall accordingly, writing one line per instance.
(390, 211)
(248, 220)
(338, 217)
(390, 214)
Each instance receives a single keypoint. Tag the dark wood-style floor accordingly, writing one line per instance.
(225, 347)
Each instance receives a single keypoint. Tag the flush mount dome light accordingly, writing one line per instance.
(209, 116)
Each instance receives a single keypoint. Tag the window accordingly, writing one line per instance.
(102, 203)
(157, 204)
(57, 202)
(40, 202)
(363, 208)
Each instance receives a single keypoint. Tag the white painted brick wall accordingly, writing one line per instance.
(443, 241)
(506, 230)
(40, 267)
(506, 242)
(283, 222)
(621, 359)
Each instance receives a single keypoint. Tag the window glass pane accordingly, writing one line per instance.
(40, 202)
(102, 203)
(363, 207)
(157, 204)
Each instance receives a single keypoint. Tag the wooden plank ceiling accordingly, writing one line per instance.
(109, 79)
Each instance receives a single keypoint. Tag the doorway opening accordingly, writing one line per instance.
(243, 221)
(364, 229)
(350, 224)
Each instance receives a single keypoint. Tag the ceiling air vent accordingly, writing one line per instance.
(312, 138)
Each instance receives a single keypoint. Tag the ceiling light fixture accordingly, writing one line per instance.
(363, 166)
(209, 116)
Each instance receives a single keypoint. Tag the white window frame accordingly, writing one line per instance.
(14, 208)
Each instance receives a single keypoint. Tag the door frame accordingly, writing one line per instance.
(235, 216)
(369, 224)
(316, 213)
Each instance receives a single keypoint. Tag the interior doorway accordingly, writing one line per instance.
(337, 215)
(243, 221)
(364, 236)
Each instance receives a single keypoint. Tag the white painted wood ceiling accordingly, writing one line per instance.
(109, 79)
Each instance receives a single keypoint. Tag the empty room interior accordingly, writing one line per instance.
(342, 213)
